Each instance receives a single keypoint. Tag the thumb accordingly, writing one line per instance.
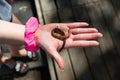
(58, 59)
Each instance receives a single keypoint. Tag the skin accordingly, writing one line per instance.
(80, 36)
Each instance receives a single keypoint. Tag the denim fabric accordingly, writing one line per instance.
(5, 10)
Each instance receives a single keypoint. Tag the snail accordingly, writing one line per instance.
(59, 34)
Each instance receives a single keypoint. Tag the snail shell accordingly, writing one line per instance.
(59, 34)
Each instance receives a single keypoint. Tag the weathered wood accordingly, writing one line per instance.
(80, 64)
(113, 21)
(65, 10)
(78, 56)
(39, 11)
(49, 11)
(111, 18)
(66, 14)
(48, 5)
(51, 67)
(93, 54)
(50, 16)
(97, 66)
(116, 6)
(80, 14)
(67, 74)
(106, 44)
(81, 2)
(63, 3)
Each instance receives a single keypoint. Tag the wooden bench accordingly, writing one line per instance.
(91, 63)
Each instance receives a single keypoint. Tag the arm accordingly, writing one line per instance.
(11, 33)
(80, 37)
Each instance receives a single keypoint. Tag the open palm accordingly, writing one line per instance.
(80, 36)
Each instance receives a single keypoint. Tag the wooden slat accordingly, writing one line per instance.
(63, 3)
(67, 74)
(96, 63)
(116, 6)
(49, 11)
(64, 10)
(80, 14)
(81, 2)
(50, 16)
(78, 56)
(80, 64)
(106, 44)
(51, 67)
(66, 14)
(47, 5)
(112, 20)
(93, 53)
(39, 11)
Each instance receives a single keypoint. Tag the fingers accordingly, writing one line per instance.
(83, 30)
(76, 25)
(83, 43)
(87, 36)
(85, 40)
(57, 58)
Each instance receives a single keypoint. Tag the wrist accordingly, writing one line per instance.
(37, 36)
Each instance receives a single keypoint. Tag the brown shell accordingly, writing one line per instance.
(59, 34)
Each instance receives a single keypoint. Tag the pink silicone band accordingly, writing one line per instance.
(31, 26)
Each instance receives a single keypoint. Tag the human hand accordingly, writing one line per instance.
(79, 37)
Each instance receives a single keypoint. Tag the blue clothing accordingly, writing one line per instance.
(5, 10)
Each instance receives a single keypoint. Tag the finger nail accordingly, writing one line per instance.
(62, 70)
(101, 35)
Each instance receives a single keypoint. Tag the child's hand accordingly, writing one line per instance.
(79, 36)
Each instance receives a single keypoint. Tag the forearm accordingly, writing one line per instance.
(11, 33)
